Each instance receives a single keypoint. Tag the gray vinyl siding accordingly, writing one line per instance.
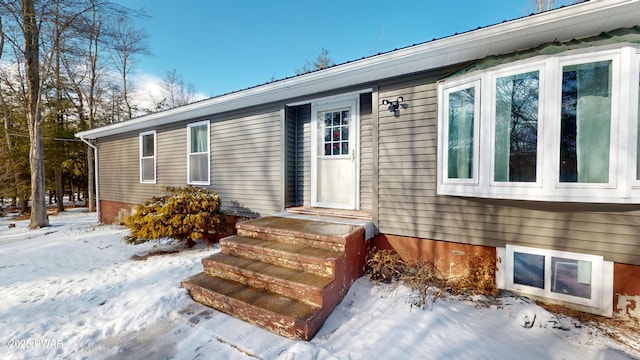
(366, 152)
(291, 198)
(303, 155)
(119, 170)
(245, 168)
(407, 203)
(172, 156)
(246, 157)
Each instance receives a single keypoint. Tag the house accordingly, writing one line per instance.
(518, 139)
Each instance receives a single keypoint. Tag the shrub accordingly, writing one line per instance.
(184, 213)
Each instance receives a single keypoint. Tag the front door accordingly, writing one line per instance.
(334, 162)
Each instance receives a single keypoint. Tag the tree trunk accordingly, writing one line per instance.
(31, 33)
(57, 172)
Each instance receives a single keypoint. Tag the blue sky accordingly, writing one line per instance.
(223, 46)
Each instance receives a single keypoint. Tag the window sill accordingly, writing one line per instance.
(575, 194)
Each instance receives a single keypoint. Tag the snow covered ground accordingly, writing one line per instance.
(74, 291)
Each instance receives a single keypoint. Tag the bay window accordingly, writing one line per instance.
(462, 132)
(552, 128)
(516, 127)
(585, 120)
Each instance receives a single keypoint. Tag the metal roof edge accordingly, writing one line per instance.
(582, 19)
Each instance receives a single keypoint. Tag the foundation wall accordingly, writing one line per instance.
(451, 259)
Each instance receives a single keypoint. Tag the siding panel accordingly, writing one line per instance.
(245, 162)
(366, 151)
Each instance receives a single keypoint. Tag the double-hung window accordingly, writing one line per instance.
(148, 157)
(198, 154)
(552, 128)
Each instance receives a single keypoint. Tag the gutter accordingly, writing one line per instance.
(96, 177)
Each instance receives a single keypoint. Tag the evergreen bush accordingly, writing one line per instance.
(183, 213)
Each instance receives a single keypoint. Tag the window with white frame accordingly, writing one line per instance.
(565, 276)
(515, 130)
(198, 154)
(461, 133)
(552, 128)
(637, 132)
(148, 157)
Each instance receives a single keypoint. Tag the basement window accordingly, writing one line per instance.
(565, 276)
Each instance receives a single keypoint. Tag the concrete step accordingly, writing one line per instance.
(281, 273)
(281, 315)
(291, 255)
(319, 234)
(305, 286)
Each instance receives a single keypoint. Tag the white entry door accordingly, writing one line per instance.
(334, 162)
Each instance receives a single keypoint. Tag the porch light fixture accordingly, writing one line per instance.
(394, 106)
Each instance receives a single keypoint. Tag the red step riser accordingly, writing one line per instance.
(276, 323)
(293, 261)
(308, 295)
(292, 239)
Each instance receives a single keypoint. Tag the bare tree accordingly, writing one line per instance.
(546, 5)
(57, 45)
(175, 92)
(9, 165)
(31, 32)
(13, 99)
(127, 43)
(85, 73)
(322, 61)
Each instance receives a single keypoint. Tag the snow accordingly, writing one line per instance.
(73, 290)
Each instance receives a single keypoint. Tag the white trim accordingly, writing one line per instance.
(208, 153)
(634, 133)
(491, 111)
(351, 100)
(328, 98)
(475, 85)
(154, 157)
(601, 277)
(576, 21)
(578, 189)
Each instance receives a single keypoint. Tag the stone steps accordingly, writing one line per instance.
(295, 256)
(307, 287)
(283, 274)
(281, 315)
